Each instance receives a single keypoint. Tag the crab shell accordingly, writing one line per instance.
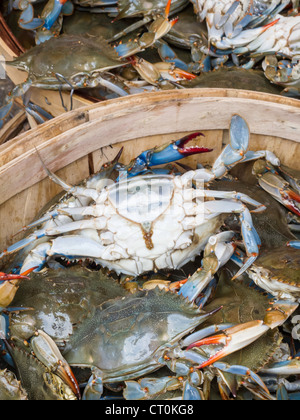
(60, 300)
(127, 337)
(278, 272)
(71, 56)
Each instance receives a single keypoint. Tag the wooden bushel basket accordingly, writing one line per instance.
(76, 144)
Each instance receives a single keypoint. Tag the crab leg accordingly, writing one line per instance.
(159, 28)
(234, 369)
(248, 36)
(294, 244)
(58, 7)
(250, 236)
(73, 247)
(286, 368)
(218, 252)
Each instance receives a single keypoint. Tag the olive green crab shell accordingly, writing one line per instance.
(67, 55)
(126, 337)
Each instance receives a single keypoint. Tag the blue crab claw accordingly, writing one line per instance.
(58, 7)
(5, 110)
(232, 340)
(294, 244)
(218, 252)
(286, 368)
(28, 21)
(236, 150)
(94, 389)
(191, 393)
(166, 154)
(168, 55)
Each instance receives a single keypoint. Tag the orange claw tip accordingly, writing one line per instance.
(216, 339)
(269, 25)
(213, 359)
(9, 277)
(168, 7)
(174, 21)
(185, 74)
(293, 196)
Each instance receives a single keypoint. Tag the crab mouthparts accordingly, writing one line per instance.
(191, 150)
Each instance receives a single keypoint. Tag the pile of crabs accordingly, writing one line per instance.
(153, 280)
(119, 47)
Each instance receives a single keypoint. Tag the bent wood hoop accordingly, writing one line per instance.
(77, 143)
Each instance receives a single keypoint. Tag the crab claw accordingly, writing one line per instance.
(47, 352)
(280, 311)
(166, 154)
(232, 340)
(53, 9)
(294, 244)
(27, 19)
(9, 277)
(280, 190)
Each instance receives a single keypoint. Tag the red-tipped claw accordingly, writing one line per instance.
(233, 339)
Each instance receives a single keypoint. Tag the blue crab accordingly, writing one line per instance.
(50, 22)
(148, 342)
(283, 72)
(240, 304)
(229, 20)
(113, 216)
(72, 62)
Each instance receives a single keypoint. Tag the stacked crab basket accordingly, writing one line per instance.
(135, 326)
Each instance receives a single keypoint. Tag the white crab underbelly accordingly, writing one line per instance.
(169, 246)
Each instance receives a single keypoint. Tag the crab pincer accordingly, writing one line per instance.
(232, 340)
(167, 153)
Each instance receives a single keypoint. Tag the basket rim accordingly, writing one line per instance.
(83, 131)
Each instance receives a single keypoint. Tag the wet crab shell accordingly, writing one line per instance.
(60, 300)
(127, 337)
(68, 55)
